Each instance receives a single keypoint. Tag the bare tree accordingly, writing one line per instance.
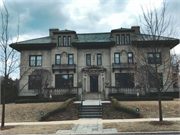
(151, 50)
(10, 58)
(39, 79)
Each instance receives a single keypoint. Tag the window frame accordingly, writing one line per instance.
(69, 59)
(56, 59)
(129, 81)
(86, 60)
(35, 60)
(60, 76)
(115, 58)
(129, 57)
(127, 39)
(153, 59)
(59, 41)
(122, 39)
(64, 40)
(100, 59)
(30, 85)
(117, 39)
(69, 40)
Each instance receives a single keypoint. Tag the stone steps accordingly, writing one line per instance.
(90, 111)
(93, 96)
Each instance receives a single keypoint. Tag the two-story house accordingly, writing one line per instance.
(92, 58)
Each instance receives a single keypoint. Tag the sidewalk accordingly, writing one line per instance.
(90, 121)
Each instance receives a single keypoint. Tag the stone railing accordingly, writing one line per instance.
(114, 89)
(61, 91)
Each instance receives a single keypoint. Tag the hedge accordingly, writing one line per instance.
(174, 94)
(41, 100)
(62, 108)
(118, 107)
(120, 98)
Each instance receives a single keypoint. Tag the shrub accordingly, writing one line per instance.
(62, 108)
(118, 107)
(120, 98)
(43, 100)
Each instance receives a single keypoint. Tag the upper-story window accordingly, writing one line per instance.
(59, 41)
(130, 57)
(35, 60)
(154, 58)
(116, 58)
(128, 39)
(122, 39)
(99, 59)
(88, 59)
(69, 41)
(64, 41)
(70, 59)
(117, 39)
(58, 59)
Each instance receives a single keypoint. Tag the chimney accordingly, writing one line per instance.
(136, 28)
(52, 30)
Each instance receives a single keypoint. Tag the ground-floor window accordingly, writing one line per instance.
(63, 80)
(125, 80)
(35, 82)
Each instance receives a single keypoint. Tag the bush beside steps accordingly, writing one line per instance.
(118, 107)
(62, 108)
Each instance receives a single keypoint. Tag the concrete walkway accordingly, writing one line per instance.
(89, 126)
(90, 121)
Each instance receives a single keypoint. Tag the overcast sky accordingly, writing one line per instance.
(83, 16)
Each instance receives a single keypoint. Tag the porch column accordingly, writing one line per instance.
(106, 92)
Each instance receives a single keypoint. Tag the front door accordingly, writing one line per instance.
(94, 83)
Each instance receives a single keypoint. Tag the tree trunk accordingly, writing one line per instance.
(160, 107)
(3, 108)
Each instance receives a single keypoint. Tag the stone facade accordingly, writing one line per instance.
(66, 44)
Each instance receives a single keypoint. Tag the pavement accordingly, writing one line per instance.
(89, 126)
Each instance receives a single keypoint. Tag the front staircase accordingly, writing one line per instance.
(93, 96)
(91, 105)
(90, 111)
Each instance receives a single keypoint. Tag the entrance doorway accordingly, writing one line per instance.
(93, 83)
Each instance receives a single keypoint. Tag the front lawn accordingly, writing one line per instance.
(150, 109)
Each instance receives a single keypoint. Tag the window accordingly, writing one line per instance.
(64, 41)
(63, 80)
(117, 39)
(58, 59)
(116, 58)
(154, 58)
(122, 39)
(35, 82)
(124, 80)
(88, 59)
(69, 41)
(59, 41)
(70, 59)
(153, 82)
(99, 60)
(35, 60)
(130, 57)
(128, 39)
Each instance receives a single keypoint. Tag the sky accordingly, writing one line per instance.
(84, 16)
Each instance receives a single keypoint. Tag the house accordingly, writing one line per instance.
(93, 58)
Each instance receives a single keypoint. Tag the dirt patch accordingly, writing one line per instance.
(110, 113)
(141, 126)
(7, 127)
(161, 123)
(27, 112)
(150, 109)
(71, 114)
(37, 129)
